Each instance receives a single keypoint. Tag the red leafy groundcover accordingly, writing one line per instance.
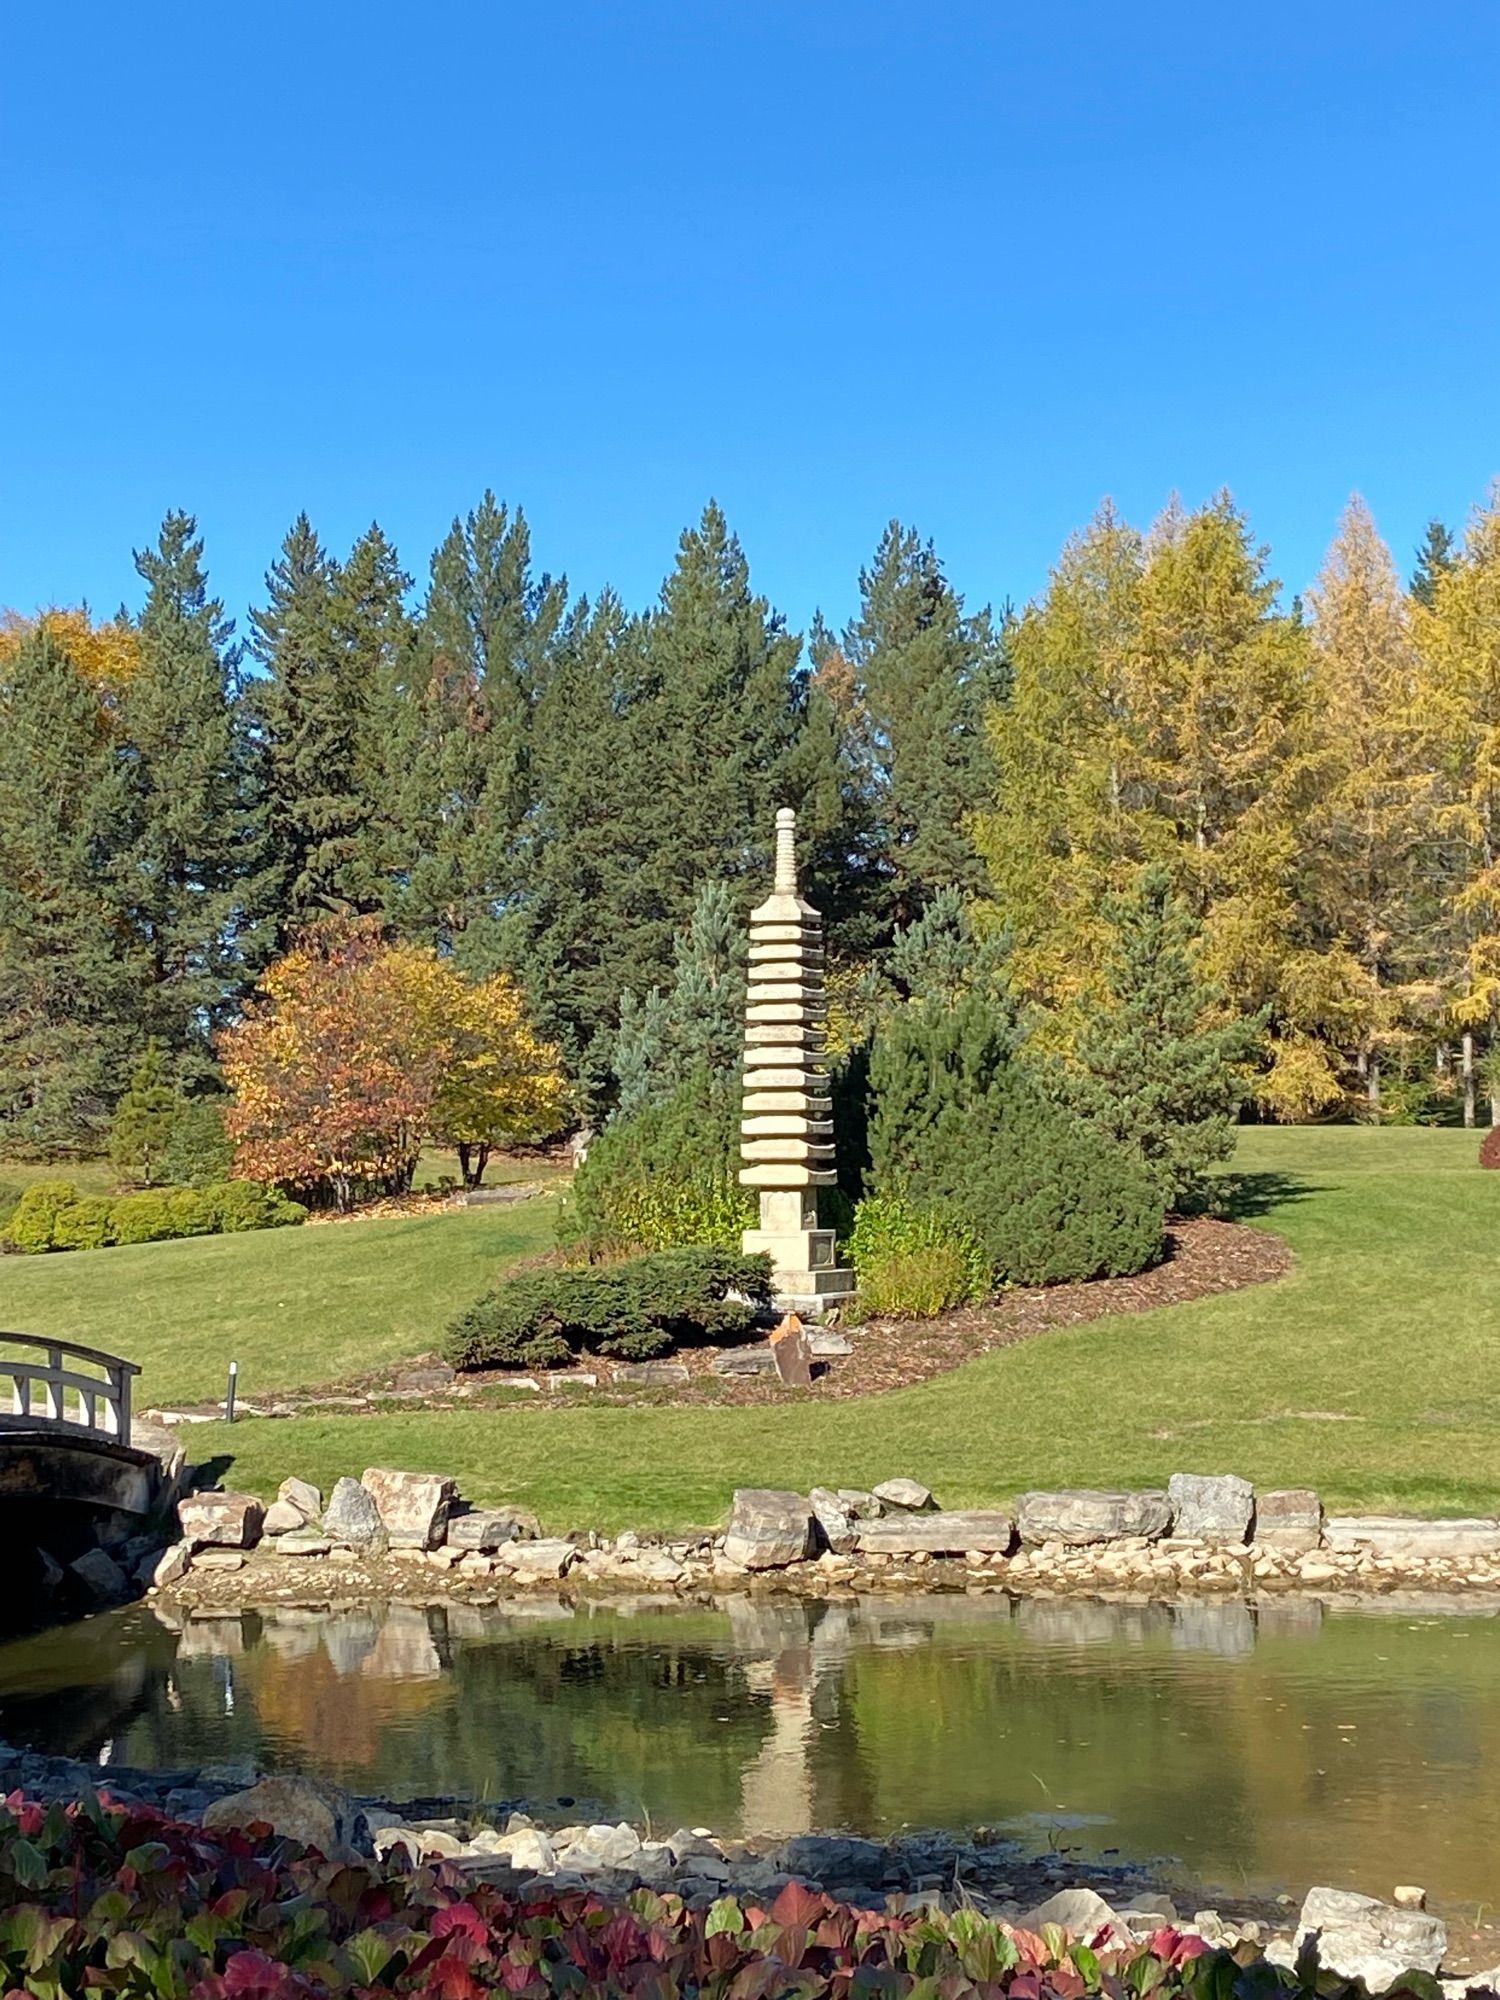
(100, 1899)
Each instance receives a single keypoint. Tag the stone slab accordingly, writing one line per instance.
(952, 1533)
(1289, 1518)
(1080, 1516)
(1396, 1535)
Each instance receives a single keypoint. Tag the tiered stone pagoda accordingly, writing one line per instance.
(786, 1135)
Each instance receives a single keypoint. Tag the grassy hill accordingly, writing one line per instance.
(1373, 1372)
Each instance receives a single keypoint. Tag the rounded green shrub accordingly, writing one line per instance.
(147, 1217)
(86, 1224)
(914, 1262)
(35, 1224)
(665, 1177)
(234, 1207)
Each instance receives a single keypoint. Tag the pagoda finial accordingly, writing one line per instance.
(786, 852)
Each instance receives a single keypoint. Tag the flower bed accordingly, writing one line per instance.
(101, 1899)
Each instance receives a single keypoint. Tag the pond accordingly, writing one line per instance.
(1260, 1749)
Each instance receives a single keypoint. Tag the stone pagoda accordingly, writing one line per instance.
(786, 1135)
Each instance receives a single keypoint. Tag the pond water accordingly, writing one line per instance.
(1261, 1749)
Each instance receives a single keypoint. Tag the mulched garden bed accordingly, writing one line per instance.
(1203, 1257)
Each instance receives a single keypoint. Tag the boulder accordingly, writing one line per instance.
(352, 1519)
(602, 1847)
(908, 1494)
(282, 1518)
(792, 1353)
(101, 1576)
(1082, 1913)
(302, 1542)
(862, 1505)
(940, 1534)
(1289, 1518)
(528, 1850)
(485, 1530)
(832, 1857)
(835, 1522)
(1079, 1516)
(413, 1506)
(759, 1360)
(1211, 1507)
(300, 1809)
(1396, 1535)
(220, 1520)
(303, 1495)
(769, 1529)
(171, 1565)
(1359, 1937)
(529, 1559)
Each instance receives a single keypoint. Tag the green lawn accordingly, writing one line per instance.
(1373, 1372)
(294, 1307)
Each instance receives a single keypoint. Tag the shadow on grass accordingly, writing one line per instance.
(1247, 1195)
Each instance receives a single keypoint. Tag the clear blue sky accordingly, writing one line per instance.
(830, 260)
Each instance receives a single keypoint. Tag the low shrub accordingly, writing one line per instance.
(913, 1262)
(53, 1215)
(124, 1904)
(1489, 1151)
(634, 1310)
(665, 1177)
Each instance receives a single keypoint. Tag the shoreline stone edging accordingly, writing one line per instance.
(1202, 1532)
(1356, 1936)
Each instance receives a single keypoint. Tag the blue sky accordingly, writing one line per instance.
(977, 265)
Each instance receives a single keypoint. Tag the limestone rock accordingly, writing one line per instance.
(171, 1565)
(1289, 1518)
(303, 1495)
(908, 1494)
(791, 1353)
(1396, 1535)
(1211, 1507)
(528, 1849)
(489, 1528)
(757, 1360)
(939, 1534)
(302, 1542)
(101, 1576)
(352, 1519)
(220, 1520)
(835, 1522)
(652, 1374)
(413, 1506)
(1079, 1516)
(862, 1505)
(1359, 1937)
(282, 1518)
(826, 1345)
(602, 1847)
(769, 1529)
(1083, 1913)
(535, 1559)
(228, 1559)
(300, 1809)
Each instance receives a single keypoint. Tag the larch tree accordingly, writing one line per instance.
(190, 853)
(1458, 641)
(1370, 826)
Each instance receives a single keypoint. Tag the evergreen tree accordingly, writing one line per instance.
(312, 719)
(697, 1027)
(140, 1135)
(1159, 1068)
(191, 839)
(71, 984)
(925, 674)
(489, 630)
(375, 639)
(1436, 555)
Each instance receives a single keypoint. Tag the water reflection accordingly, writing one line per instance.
(1267, 1747)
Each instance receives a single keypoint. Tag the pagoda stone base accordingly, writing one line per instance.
(803, 1269)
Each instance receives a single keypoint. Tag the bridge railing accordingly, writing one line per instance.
(47, 1383)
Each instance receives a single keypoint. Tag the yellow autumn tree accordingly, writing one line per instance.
(1458, 712)
(106, 653)
(1370, 829)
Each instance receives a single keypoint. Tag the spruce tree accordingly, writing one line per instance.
(72, 984)
(191, 842)
(468, 793)
(697, 1026)
(140, 1134)
(926, 673)
(376, 640)
(312, 719)
(1436, 554)
(1159, 1067)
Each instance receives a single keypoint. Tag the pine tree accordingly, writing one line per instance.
(71, 985)
(925, 674)
(140, 1134)
(1159, 1067)
(489, 630)
(697, 1026)
(1370, 829)
(312, 720)
(191, 838)
(376, 640)
(1436, 555)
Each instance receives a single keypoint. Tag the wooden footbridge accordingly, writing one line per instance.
(66, 1432)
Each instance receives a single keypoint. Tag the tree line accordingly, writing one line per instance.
(538, 784)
